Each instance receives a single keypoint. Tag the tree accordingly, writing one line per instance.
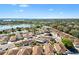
(13, 30)
(33, 43)
(4, 32)
(60, 27)
(74, 33)
(0, 32)
(66, 29)
(38, 26)
(18, 29)
(67, 43)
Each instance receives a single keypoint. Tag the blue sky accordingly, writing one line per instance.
(39, 11)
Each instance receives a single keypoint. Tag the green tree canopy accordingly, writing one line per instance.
(67, 43)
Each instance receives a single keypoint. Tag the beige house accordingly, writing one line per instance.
(2, 52)
(12, 51)
(59, 48)
(37, 50)
(25, 51)
(25, 35)
(48, 49)
(76, 42)
(12, 38)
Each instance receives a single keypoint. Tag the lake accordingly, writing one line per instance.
(4, 27)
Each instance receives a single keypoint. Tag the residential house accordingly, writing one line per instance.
(25, 51)
(12, 38)
(59, 48)
(48, 49)
(37, 50)
(12, 51)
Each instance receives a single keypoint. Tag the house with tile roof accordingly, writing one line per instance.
(37, 50)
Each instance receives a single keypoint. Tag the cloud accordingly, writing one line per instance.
(13, 4)
(20, 5)
(23, 5)
(21, 10)
(51, 9)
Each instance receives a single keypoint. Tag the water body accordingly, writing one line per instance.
(4, 27)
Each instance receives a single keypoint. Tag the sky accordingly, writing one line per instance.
(39, 10)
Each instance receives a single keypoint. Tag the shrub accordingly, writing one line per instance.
(0, 32)
(18, 45)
